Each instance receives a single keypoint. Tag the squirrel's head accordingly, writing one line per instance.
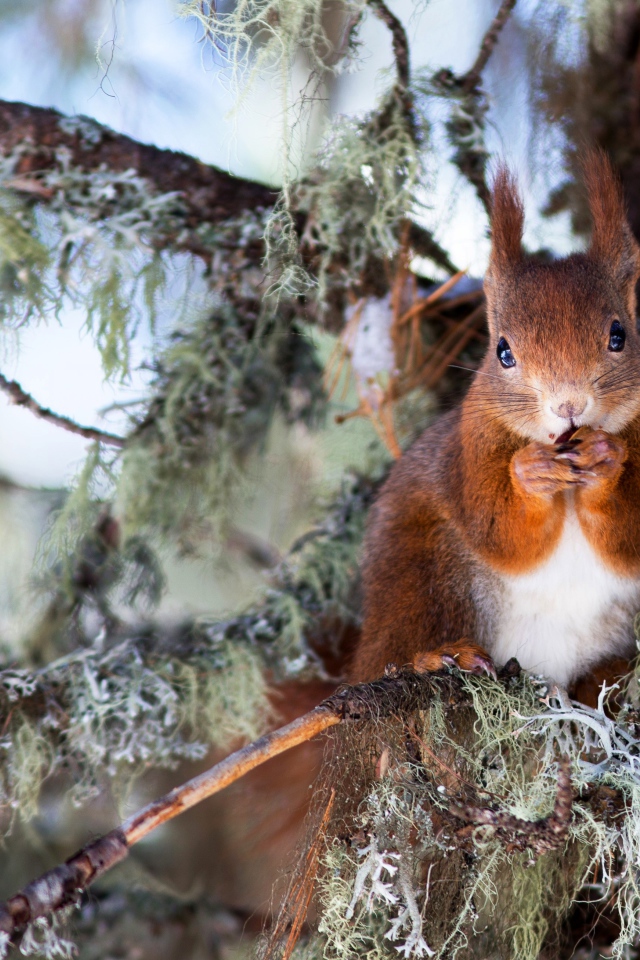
(564, 346)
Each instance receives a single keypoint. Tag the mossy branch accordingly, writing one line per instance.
(209, 194)
(21, 398)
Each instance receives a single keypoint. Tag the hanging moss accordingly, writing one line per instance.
(217, 390)
(154, 696)
(359, 197)
(260, 38)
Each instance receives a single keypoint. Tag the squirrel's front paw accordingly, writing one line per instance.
(538, 471)
(596, 458)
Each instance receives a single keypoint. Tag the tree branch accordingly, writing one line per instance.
(472, 77)
(63, 885)
(467, 122)
(209, 194)
(399, 41)
(21, 398)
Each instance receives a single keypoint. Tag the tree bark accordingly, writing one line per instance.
(210, 194)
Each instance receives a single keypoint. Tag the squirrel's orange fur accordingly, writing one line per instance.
(488, 526)
(481, 504)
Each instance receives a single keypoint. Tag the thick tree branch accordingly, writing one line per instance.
(209, 194)
(23, 399)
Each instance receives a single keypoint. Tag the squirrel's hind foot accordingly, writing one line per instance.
(463, 654)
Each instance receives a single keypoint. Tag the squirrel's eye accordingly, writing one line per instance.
(617, 337)
(505, 356)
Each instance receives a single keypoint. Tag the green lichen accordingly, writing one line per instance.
(217, 390)
(363, 190)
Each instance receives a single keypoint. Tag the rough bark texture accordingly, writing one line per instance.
(63, 885)
(210, 194)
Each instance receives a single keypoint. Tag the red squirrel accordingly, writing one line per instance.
(497, 535)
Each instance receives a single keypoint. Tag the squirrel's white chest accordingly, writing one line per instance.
(568, 613)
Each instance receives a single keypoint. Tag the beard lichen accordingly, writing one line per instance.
(261, 38)
(217, 390)
(136, 697)
(361, 193)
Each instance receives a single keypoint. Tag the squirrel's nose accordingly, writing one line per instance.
(569, 409)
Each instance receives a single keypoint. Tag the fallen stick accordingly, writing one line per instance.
(63, 885)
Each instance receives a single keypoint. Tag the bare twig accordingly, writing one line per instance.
(23, 399)
(227, 771)
(398, 39)
(467, 122)
(64, 884)
(472, 77)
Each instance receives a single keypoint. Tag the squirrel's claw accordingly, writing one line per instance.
(463, 654)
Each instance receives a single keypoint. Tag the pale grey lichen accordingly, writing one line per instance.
(150, 696)
(397, 874)
(260, 38)
(44, 938)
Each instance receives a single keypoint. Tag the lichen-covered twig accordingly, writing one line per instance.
(64, 884)
(21, 398)
(466, 124)
(400, 44)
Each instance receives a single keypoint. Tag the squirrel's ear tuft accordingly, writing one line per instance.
(507, 221)
(612, 241)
